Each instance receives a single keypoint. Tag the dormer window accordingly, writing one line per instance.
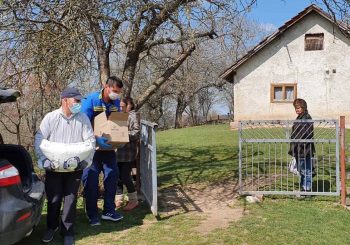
(314, 41)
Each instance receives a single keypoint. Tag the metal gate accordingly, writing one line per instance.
(148, 164)
(264, 157)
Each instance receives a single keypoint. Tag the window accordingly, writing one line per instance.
(314, 41)
(286, 92)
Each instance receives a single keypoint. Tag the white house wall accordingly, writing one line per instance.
(285, 61)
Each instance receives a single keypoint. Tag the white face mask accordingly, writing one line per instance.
(114, 96)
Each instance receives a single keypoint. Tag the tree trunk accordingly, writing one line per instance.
(102, 51)
(132, 57)
(194, 117)
(178, 119)
(180, 108)
(137, 45)
(103, 65)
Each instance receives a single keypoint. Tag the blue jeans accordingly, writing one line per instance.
(103, 161)
(305, 170)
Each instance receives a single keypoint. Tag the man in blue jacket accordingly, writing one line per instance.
(105, 101)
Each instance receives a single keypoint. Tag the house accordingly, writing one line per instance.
(308, 57)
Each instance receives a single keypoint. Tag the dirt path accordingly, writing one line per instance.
(217, 204)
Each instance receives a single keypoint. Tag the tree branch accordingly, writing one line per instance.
(115, 26)
(18, 73)
(164, 14)
(153, 87)
(162, 41)
(10, 119)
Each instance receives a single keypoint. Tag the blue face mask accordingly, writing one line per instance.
(75, 108)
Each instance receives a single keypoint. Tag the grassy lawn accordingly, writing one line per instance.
(200, 154)
(207, 155)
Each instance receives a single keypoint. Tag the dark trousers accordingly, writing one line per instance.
(103, 161)
(125, 178)
(58, 187)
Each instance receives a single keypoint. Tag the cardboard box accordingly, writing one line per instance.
(114, 128)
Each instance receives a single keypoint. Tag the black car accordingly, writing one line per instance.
(21, 191)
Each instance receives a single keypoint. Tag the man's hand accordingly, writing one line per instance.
(102, 143)
(83, 164)
(48, 165)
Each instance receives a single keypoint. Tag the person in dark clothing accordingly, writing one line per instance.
(303, 151)
(104, 101)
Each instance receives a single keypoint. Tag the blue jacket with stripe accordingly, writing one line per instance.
(93, 105)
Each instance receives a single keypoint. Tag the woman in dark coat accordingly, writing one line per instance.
(303, 151)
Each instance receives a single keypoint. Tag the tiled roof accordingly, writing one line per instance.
(229, 73)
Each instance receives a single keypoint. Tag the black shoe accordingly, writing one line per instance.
(48, 236)
(68, 240)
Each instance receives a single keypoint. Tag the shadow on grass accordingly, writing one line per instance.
(181, 166)
(83, 229)
(178, 199)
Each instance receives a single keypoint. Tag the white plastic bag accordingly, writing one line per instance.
(293, 166)
(65, 157)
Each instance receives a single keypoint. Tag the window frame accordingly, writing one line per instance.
(313, 36)
(283, 85)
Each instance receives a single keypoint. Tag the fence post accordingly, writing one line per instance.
(342, 161)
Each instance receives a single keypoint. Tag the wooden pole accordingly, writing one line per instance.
(342, 161)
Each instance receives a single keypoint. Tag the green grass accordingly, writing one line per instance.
(206, 155)
(289, 221)
(200, 154)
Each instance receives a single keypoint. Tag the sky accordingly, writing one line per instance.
(272, 14)
(277, 12)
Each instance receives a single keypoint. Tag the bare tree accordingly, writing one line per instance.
(200, 105)
(206, 101)
(90, 30)
(57, 43)
(338, 9)
(197, 78)
(243, 35)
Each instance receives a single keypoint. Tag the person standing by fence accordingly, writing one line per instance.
(126, 155)
(303, 151)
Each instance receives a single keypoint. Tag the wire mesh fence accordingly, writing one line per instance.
(270, 149)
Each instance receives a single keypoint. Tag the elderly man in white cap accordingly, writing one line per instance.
(66, 125)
